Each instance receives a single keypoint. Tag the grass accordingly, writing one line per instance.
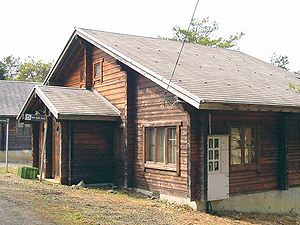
(62, 205)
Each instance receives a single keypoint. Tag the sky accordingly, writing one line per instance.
(41, 29)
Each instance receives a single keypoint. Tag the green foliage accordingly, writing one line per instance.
(2, 71)
(292, 86)
(30, 69)
(280, 60)
(202, 32)
(33, 70)
(10, 65)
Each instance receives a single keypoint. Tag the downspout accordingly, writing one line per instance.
(208, 208)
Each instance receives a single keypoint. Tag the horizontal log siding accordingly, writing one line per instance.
(64, 158)
(113, 87)
(243, 178)
(93, 152)
(15, 141)
(70, 76)
(293, 143)
(149, 106)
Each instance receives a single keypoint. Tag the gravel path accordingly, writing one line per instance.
(12, 214)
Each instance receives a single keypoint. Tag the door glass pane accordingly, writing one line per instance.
(210, 166)
(249, 145)
(150, 144)
(216, 166)
(210, 154)
(160, 144)
(172, 145)
(235, 145)
(216, 154)
(216, 143)
(210, 143)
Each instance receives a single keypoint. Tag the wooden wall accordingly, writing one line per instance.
(245, 179)
(93, 152)
(113, 87)
(16, 143)
(293, 144)
(150, 107)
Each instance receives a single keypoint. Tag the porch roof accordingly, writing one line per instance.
(67, 103)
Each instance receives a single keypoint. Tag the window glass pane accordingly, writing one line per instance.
(21, 129)
(249, 145)
(150, 144)
(216, 143)
(27, 130)
(97, 70)
(172, 145)
(82, 75)
(235, 145)
(161, 144)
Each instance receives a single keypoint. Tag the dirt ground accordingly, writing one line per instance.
(59, 204)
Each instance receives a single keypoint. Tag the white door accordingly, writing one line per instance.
(218, 167)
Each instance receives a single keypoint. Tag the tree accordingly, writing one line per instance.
(2, 71)
(10, 66)
(202, 32)
(33, 70)
(280, 60)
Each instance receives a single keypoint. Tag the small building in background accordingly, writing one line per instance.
(13, 94)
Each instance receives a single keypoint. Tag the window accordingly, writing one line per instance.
(98, 70)
(24, 129)
(82, 75)
(243, 145)
(161, 146)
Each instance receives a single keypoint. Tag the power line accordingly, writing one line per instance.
(174, 69)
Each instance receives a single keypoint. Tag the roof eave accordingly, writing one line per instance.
(64, 116)
(248, 107)
(54, 67)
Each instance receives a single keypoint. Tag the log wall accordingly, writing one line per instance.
(93, 152)
(16, 142)
(150, 107)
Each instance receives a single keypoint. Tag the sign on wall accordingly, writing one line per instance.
(33, 117)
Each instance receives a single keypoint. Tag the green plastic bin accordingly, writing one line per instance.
(27, 172)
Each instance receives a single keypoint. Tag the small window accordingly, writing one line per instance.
(24, 129)
(82, 75)
(243, 145)
(98, 70)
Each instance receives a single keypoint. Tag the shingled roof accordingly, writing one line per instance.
(13, 94)
(204, 74)
(73, 103)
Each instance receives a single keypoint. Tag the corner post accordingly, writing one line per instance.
(283, 154)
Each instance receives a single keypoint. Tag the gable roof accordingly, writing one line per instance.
(204, 74)
(73, 103)
(13, 94)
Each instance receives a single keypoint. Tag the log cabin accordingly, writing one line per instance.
(222, 132)
(13, 94)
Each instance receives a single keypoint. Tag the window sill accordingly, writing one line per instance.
(239, 167)
(160, 166)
